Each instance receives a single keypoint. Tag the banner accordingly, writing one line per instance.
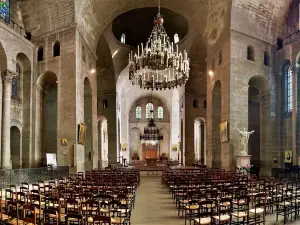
(288, 156)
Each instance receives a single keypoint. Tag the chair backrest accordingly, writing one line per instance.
(74, 218)
(50, 217)
(29, 214)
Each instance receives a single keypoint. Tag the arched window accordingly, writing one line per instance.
(123, 38)
(16, 84)
(266, 59)
(195, 103)
(83, 53)
(40, 54)
(149, 110)
(56, 48)
(213, 64)
(205, 104)
(250, 53)
(288, 89)
(160, 112)
(138, 112)
(176, 38)
(220, 57)
(105, 104)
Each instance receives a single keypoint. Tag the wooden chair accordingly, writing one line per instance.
(224, 211)
(205, 212)
(29, 215)
(74, 219)
(51, 217)
(100, 220)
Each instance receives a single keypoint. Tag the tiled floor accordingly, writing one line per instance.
(154, 205)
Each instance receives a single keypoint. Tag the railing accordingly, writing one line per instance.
(16, 27)
(31, 175)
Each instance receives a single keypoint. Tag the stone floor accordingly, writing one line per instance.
(155, 206)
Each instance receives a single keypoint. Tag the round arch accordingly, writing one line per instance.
(46, 117)
(135, 146)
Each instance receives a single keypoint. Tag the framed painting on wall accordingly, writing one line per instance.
(82, 133)
(224, 132)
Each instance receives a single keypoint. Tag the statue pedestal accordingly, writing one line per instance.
(243, 160)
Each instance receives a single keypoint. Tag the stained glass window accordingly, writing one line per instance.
(138, 112)
(15, 84)
(149, 110)
(289, 89)
(160, 112)
(4, 10)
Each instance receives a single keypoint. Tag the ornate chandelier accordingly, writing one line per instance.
(158, 66)
(151, 134)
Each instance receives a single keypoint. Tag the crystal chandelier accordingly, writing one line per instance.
(151, 134)
(158, 66)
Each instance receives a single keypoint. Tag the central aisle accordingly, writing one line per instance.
(154, 205)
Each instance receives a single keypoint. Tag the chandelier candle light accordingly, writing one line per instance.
(158, 66)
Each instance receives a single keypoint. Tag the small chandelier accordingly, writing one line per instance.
(151, 134)
(158, 66)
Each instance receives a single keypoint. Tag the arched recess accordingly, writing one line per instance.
(102, 142)
(216, 120)
(46, 117)
(165, 143)
(106, 90)
(15, 145)
(135, 146)
(200, 140)
(24, 97)
(258, 111)
(88, 120)
(3, 67)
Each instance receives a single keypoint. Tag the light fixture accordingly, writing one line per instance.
(159, 65)
(211, 73)
(93, 71)
(151, 135)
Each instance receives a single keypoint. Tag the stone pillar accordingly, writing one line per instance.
(5, 137)
(99, 145)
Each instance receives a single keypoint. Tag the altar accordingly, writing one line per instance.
(151, 161)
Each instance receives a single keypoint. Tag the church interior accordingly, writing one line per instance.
(150, 112)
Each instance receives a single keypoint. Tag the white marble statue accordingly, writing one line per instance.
(243, 150)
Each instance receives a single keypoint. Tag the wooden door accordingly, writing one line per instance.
(150, 153)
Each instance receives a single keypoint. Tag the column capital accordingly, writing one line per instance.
(8, 75)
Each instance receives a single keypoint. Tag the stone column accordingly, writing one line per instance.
(5, 137)
(99, 145)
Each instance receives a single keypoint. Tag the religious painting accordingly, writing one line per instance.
(82, 133)
(288, 155)
(224, 132)
(124, 147)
